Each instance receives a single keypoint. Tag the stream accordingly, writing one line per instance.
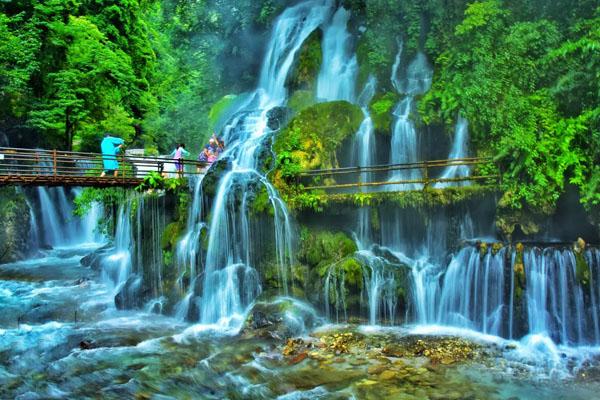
(61, 337)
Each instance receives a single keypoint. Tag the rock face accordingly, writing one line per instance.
(15, 225)
(280, 319)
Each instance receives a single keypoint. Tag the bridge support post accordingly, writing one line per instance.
(54, 164)
(425, 175)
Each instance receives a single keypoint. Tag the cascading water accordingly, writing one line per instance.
(116, 268)
(339, 67)
(61, 226)
(459, 150)
(364, 144)
(472, 294)
(53, 233)
(405, 148)
(230, 280)
(486, 290)
(188, 251)
(378, 280)
(555, 296)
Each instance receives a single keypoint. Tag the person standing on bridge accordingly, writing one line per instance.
(179, 155)
(110, 148)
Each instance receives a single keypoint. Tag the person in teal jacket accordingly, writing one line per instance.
(110, 148)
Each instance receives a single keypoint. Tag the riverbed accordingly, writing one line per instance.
(62, 337)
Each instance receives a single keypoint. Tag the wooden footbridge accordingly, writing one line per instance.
(436, 174)
(37, 167)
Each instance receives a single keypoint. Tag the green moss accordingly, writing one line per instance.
(311, 139)
(496, 247)
(582, 270)
(170, 236)
(218, 109)
(519, 271)
(14, 232)
(308, 64)
(321, 249)
(167, 257)
(261, 202)
(375, 219)
(509, 218)
(483, 249)
(381, 109)
(301, 99)
(352, 271)
(321, 201)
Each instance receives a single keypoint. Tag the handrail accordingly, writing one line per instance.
(392, 167)
(42, 166)
(424, 166)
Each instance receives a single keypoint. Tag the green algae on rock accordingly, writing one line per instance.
(381, 109)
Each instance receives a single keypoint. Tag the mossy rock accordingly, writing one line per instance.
(171, 235)
(349, 267)
(519, 272)
(582, 270)
(14, 233)
(300, 100)
(308, 63)
(321, 249)
(311, 139)
(381, 110)
(508, 218)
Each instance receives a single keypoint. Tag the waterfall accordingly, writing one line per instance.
(364, 150)
(482, 280)
(117, 267)
(230, 280)
(291, 29)
(381, 286)
(150, 223)
(555, 300)
(60, 226)
(53, 222)
(377, 280)
(459, 150)
(339, 67)
(405, 145)
(188, 249)
(87, 225)
(480, 290)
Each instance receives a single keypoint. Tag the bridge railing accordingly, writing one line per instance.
(408, 176)
(19, 163)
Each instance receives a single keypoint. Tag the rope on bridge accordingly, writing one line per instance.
(70, 168)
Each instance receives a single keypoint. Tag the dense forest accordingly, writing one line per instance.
(524, 73)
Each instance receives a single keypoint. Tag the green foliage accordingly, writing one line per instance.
(155, 181)
(407, 199)
(78, 70)
(107, 197)
(498, 74)
(381, 109)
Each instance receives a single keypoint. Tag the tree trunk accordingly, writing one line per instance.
(68, 130)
